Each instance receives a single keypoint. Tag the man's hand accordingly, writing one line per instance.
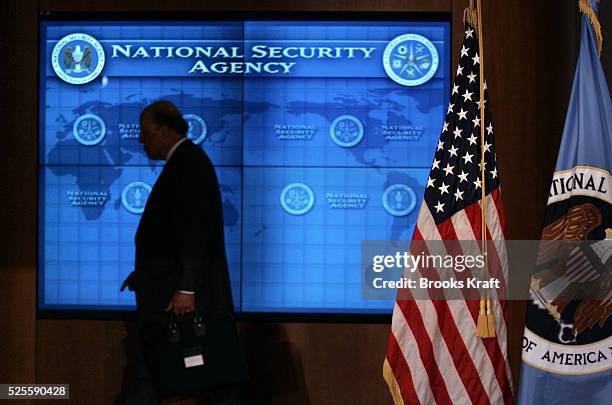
(181, 303)
(129, 282)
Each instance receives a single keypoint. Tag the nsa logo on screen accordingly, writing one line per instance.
(297, 198)
(346, 131)
(197, 128)
(410, 59)
(399, 200)
(134, 196)
(89, 129)
(78, 58)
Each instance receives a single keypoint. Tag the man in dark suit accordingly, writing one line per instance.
(180, 260)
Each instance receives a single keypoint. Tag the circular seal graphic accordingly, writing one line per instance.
(134, 196)
(197, 128)
(78, 58)
(410, 59)
(568, 315)
(346, 131)
(89, 129)
(399, 200)
(297, 198)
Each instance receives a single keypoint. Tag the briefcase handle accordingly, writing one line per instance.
(174, 333)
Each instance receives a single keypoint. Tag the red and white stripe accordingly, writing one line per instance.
(434, 353)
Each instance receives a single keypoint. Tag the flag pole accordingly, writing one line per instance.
(485, 327)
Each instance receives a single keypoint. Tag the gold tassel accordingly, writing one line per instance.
(482, 329)
(394, 388)
(485, 328)
(490, 320)
(583, 5)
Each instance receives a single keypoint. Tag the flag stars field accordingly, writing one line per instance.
(458, 156)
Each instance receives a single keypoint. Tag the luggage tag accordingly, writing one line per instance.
(193, 357)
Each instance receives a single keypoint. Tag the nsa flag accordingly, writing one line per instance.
(567, 345)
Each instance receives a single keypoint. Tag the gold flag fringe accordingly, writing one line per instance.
(394, 388)
(584, 7)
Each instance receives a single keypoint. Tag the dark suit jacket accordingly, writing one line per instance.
(179, 241)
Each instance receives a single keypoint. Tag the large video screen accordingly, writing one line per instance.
(321, 132)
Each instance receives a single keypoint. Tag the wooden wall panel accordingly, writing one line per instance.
(18, 192)
(316, 363)
(531, 50)
(289, 363)
(246, 5)
(88, 355)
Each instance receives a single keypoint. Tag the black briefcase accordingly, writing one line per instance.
(193, 354)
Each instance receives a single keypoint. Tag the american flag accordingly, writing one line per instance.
(434, 355)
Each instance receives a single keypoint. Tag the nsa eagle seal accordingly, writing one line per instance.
(78, 58)
(134, 196)
(399, 200)
(569, 315)
(410, 59)
(297, 199)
